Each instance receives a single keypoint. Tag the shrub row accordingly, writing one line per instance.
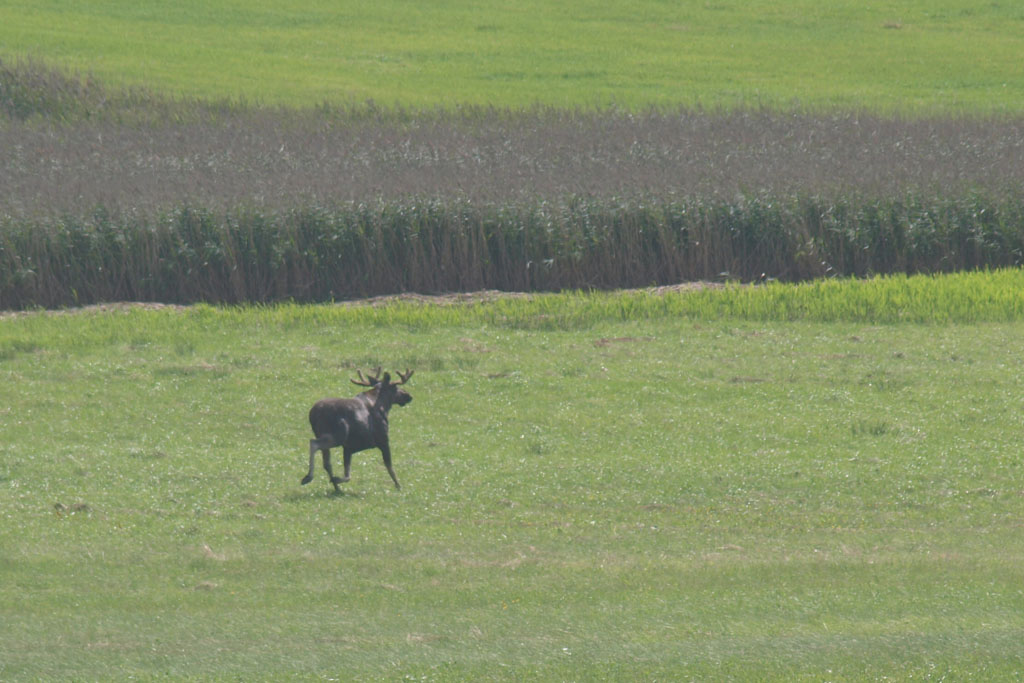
(323, 253)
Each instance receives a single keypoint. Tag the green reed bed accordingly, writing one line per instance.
(358, 249)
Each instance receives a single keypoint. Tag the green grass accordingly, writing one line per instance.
(614, 495)
(921, 55)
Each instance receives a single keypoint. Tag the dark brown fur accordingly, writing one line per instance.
(356, 424)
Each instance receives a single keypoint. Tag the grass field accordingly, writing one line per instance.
(591, 490)
(916, 55)
(820, 481)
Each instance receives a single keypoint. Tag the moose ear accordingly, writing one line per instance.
(386, 380)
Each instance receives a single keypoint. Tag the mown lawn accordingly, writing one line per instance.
(673, 497)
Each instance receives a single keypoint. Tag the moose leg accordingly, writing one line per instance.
(348, 464)
(314, 446)
(330, 473)
(385, 450)
(324, 443)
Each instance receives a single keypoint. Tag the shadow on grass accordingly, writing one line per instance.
(312, 494)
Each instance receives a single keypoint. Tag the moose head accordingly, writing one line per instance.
(387, 391)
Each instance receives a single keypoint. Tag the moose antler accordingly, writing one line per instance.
(372, 378)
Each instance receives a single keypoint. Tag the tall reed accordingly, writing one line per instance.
(358, 249)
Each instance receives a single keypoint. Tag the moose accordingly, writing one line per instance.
(356, 424)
